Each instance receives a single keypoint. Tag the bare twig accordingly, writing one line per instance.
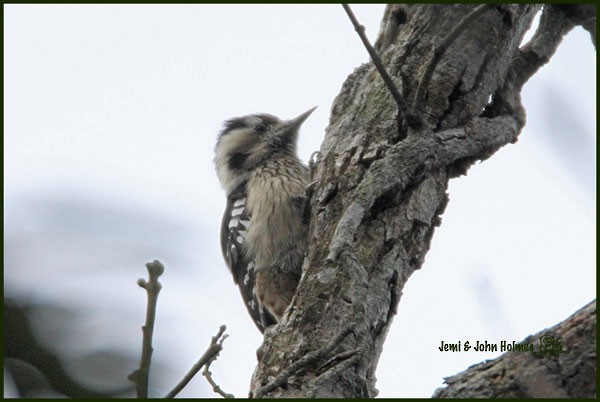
(153, 286)
(216, 388)
(404, 114)
(211, 353)
(298, 365)
(345, 355)
(441, 49)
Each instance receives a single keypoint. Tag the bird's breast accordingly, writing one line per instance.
(276, 219)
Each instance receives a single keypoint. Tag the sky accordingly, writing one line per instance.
(110, 118)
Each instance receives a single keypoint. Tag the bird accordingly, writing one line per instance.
(265, 224)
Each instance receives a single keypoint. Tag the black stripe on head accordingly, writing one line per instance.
(233, 124)
(236, 161)
(266, 120)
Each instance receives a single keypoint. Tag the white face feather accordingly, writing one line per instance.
(228, 145)
(242, 139)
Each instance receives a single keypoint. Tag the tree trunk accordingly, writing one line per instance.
(381, 183)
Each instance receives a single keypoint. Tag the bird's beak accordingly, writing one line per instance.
(297, 122)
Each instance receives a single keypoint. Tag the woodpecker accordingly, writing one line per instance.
(265, 224)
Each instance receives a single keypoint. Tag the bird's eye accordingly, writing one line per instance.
(259, 129)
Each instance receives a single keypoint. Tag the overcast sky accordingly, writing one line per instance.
(118, 107)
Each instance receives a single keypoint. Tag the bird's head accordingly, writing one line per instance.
(247, 142)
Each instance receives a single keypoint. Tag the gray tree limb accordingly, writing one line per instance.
(381, 191)
(571, 374)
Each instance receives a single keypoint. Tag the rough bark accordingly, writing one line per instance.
(382, 185)
(571, 374)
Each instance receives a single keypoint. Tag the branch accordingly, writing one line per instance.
(582, 14)
(441, 49)
(565, 368)
(153, 286)
(403, 110)
(395, 171)
(554, 25)
(211, 354)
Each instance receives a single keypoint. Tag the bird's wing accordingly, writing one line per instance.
(234, 228)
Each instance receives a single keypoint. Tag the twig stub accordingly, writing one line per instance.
(155, 268)
(210, 355)
(140, 376)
